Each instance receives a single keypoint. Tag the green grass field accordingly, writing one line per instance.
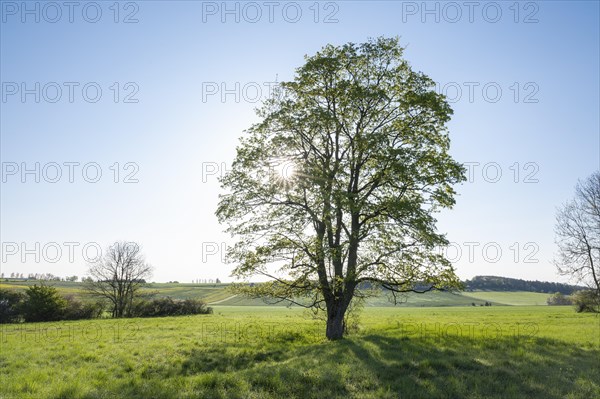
(273, 352)
(515, 298)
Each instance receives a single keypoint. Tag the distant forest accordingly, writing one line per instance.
(495, 283)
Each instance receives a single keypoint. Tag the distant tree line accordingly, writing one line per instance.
(494, 283)
(38, 277)
(481, 304)
(205, 281)
(52, 277)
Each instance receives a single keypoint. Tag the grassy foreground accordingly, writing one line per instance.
(274, 352)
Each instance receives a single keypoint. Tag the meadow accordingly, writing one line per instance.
(273, 352)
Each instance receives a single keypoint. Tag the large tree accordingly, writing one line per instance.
(335, 188)
(578, 234)
(118, 276)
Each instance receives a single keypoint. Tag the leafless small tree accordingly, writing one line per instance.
(578, 234)
(118, 276)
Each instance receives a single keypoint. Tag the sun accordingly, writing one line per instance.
(283, 169)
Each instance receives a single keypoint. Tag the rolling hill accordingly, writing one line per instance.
(479, 290)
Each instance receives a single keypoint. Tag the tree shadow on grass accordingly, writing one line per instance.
(378, 366)
(219, 360)
(387, 366)
(458, 367)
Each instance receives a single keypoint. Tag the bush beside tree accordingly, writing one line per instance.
(168, 306)
(586, 301)
(558, 299)
(43, 303)
(10, 302)
(78, 310)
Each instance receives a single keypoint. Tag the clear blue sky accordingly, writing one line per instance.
(523, 79)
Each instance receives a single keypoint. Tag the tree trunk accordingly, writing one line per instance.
(335, 322)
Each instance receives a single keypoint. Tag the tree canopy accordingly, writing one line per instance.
(338, 184)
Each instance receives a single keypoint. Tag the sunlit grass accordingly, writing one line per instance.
(266, 352)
